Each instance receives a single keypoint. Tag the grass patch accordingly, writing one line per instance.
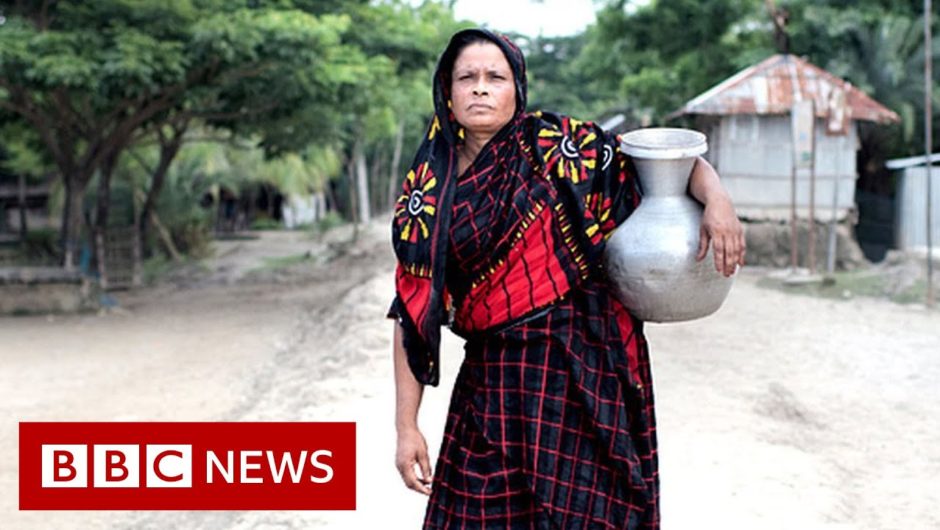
(155, 268)
(326, 223)
(266, 223)
(282, 262)
(847, 285)
(159, 267)
(914, 294)
(234, 237)
(40, 248)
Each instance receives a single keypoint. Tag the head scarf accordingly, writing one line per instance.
(422, 212)
(567, 151)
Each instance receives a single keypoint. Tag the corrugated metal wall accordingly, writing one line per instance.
(912, 208)
(753, 155)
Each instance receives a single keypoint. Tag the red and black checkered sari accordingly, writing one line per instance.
(551, 422)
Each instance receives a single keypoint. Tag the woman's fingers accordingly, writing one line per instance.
(718, 253)
(703, 240)
(421, 484)
(412, 462)
(722, 227)
(728, 250)
(425, 468)
(410, 476)
(731, 255)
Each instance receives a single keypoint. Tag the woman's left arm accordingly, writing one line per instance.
(720, 224)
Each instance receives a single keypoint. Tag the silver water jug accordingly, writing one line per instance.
(650, 257)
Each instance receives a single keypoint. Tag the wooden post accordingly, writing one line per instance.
(794, 257)
(928, 143)
(812, 196)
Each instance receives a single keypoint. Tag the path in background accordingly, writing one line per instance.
(780, 411)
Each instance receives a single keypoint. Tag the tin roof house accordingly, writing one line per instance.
(747, 119)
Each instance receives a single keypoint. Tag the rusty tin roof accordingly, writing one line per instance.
(771, 86)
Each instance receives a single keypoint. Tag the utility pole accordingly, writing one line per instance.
(928, 142)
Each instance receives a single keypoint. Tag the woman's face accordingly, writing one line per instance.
(482, 89)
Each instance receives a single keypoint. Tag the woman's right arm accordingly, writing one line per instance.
(411, 447)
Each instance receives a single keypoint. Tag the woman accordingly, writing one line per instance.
(499, 233)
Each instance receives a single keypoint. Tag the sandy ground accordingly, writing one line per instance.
(780, 411)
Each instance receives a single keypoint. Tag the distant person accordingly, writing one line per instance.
(499, 232)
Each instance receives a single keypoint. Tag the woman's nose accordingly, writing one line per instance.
(480, 88)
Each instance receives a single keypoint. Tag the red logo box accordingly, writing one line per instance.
(187, 466)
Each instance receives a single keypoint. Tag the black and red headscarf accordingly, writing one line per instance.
(422, 212)
(567, 151)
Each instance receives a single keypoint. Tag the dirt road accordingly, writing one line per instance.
(780, 411)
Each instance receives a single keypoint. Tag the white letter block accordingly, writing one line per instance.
(73, 460)
(169, 466)
(131, 464)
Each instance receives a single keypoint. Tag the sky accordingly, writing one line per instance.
(549, 18)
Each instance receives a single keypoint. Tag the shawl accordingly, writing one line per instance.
(595, 192)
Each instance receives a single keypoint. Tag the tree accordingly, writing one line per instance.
(91, 78)
(878, 46)
(655, 57)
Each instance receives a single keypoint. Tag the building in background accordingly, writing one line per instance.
(748, 123)
(911, 205)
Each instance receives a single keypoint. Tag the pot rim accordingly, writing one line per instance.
(663, 143)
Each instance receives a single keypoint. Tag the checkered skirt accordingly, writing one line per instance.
(551, 424)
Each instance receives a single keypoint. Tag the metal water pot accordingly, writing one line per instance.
(650, 257)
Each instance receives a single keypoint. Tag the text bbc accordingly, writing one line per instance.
(171, 466)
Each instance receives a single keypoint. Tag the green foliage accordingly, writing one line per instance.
(155, 268)
(879, 47)
(266, 223)
(41, 246)
(289, 86)
(179, 205)
(21, 152)
(326, 223)
(652, 59)
(93, 78)
(556, 83)
(403, 43)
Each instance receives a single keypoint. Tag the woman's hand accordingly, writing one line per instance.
(720, 225)
(412, 449)
(722, 229)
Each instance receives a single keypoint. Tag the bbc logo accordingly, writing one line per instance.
(117, 466)
(187, 466)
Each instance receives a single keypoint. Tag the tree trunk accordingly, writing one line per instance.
(330, 197)
(22, 204)
(169, 148)
(165, 236)
(270, 191)
(375, 187)
(102, 208)
(393, 178)
(353, 194)
(362, 181)
(73, 222)
(319, 206)
(137, 250)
